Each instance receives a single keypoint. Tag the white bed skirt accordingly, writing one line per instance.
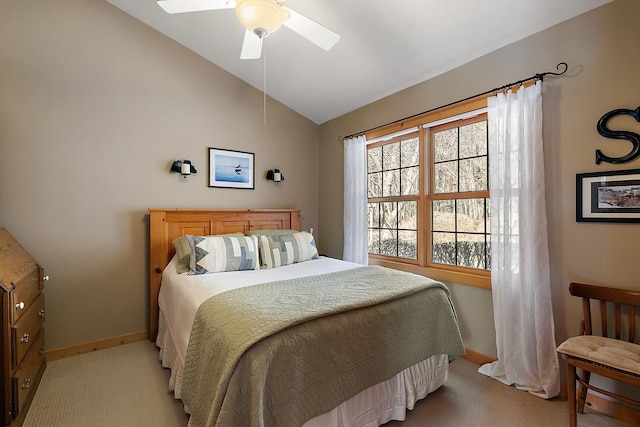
(374, 406)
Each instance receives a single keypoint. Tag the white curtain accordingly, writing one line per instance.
(355, 201)
(523, 313)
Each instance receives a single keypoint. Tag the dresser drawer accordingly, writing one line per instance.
(27, 377)
(24, 294)
(24, 332)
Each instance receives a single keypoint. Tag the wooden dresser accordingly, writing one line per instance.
(22, 316)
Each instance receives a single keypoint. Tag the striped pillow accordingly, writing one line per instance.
(276, 251)
(212, 254)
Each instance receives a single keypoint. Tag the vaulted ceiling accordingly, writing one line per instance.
(385, 46)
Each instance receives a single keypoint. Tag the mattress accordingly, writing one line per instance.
(181, 295)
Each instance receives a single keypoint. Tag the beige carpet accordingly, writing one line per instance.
(121, 386)
(126, 386)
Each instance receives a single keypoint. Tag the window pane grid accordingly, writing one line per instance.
(393, 169)
(454, 242)
(393, 229)
(460, 159)
(394, 179)
(460, 225)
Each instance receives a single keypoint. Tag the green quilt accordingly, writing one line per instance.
(280, 353)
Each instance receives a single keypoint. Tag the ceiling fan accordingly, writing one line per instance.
(260, 18)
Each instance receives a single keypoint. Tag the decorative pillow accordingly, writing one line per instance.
(183, 252)
(212, 254)
(276, 251)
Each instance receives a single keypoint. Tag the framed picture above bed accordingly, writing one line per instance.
(612, 196)
(231, 169)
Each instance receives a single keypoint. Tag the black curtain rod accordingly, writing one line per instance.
(539, 76)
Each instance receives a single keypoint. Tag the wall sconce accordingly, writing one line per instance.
(184, 168)
(275, 175)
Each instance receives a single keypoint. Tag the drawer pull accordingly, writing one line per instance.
(45, 278)
(27, 383)
(41, 313)
(25, 338)
(20, 305)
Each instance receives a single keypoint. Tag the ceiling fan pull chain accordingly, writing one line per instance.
(264, 81)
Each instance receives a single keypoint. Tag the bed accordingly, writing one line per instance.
(341, 362)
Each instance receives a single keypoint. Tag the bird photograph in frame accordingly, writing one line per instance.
(231, 169)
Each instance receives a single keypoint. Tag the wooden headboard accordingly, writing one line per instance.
(168, 224)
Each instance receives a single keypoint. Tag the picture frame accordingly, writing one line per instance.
(612, 196)
(231, 169)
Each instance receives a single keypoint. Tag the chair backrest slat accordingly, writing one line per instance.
(586, 311)
(618, 321)
(603, 318)
(632, 324)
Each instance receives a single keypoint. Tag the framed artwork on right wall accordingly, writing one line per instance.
(612, 196)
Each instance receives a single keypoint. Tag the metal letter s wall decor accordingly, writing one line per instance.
(632, 137)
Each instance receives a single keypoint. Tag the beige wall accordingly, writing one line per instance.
(601, 48)
(94, 106)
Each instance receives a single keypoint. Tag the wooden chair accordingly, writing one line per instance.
(610, 355)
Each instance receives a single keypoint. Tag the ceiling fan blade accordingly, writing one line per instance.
(311, 30)
(251, 46)
(181, 6)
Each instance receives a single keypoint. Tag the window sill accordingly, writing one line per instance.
(477, 280)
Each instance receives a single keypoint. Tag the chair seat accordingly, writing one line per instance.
(617, 354)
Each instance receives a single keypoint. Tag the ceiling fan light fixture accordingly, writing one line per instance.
(262, 17)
